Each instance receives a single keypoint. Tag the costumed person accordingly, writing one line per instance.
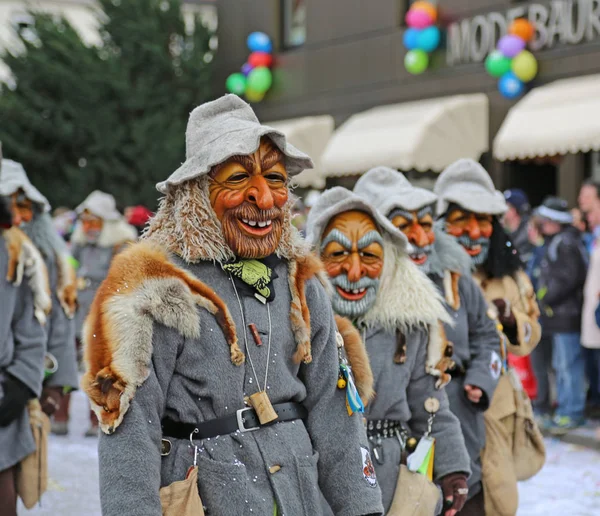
(473, 335)
(470, 207)
(33, 210)
(100, 234)
(399, 314)
(25, 300)
(211, 348)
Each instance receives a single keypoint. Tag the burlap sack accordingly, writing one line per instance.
(415, 495)
(182, 498)
(32, 476)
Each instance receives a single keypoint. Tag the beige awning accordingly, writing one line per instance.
(309, 134)
(422, 135)
(559, 118)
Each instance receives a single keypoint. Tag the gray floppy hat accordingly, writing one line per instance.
(223, 128)
(101, 205)
(338, 200)
(388, 189)
(468, 184)
(13, 178)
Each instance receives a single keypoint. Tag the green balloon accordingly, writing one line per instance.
(416, 61)
(497, 64)
(260, 79)
(236, 83)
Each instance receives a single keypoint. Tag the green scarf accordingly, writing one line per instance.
(253, 273)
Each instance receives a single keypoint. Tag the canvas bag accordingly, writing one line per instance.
(32, 476)
(181, 498)
(415, 495)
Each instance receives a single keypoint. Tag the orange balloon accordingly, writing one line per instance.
(430, 9)
(522, 28)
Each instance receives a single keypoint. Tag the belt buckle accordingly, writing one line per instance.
(241, 420)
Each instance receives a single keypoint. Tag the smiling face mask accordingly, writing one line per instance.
(472, 230)
(352, 252)
(417, 225)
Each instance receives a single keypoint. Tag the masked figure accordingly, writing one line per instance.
(475, 342)
(470, 207)
(32, 209)
(211, 348)
(399, 313)
(22, 347)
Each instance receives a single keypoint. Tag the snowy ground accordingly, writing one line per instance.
(568, 485)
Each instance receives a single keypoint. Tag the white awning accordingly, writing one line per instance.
(559, 118)
(422, 135)
(309, 134)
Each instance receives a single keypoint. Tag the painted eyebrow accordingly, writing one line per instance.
(400, 212)
(427, 210)
(371, 237)
(335, 235)
(272, 157)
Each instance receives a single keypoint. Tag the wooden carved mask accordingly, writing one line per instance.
(472, 230)
(417, 225)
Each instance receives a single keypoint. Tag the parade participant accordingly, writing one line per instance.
(470, 207)
(398, 312)
(212, 330)
(100, 233)
(32, 208)
(22, 347)
(473, 334)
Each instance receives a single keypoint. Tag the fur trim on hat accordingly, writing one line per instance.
(24, 260)
(114, 233)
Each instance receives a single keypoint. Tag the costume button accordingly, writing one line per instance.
(274, 469)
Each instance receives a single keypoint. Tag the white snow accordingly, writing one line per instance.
(569, 483)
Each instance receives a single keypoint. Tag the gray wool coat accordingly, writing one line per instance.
(193, 380)
(22, 346)
(401, 393)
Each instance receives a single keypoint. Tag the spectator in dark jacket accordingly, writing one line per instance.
(515, 222)
(560, 295)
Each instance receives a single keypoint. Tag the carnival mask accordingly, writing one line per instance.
(92, 226)
(418, 227)
(248, 194)
(23, 207)
(472, 230)
(352, 251)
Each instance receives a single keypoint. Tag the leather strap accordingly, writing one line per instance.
(244, 420)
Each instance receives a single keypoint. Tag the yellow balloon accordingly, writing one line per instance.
(254, 96)
(524, 66)
(427, 7)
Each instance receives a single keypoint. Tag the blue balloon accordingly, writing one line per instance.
(510, 86)
(259, 42)
(411, 39)
(428, 39)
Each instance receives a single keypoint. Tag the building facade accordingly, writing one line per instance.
(342, 57)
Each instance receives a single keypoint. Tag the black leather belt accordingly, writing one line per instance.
(244, 420)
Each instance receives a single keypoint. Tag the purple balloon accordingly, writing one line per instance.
(247, 68)
(510, 45)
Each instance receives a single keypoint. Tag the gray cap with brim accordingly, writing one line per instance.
(468, 184)
(388, 189)
(340, 200)
(101, 205)
(13, 178)
(224, 128)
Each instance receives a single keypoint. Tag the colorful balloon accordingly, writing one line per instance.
(254, 96)
(418, 19)
(411, 38)
(416, 61)
(497, 64)
(257, 59)
(247, 68)
(522, 28)
(260, 79)
(236, 83)
(427, 7)
(510, 86)
(510, 45)
(428, 39)
(259, 42)
(524, 66)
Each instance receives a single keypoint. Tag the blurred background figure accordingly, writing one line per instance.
(138, 216)
(589, 195)
(64, 221)
(299, 213)
(310, 199)
(515, 222)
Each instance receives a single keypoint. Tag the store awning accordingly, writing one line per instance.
(559, 118)
(422, 135)
(309, 134)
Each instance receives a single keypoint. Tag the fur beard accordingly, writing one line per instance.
(353, 309)
(467, 243)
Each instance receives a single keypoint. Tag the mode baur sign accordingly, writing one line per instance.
(560, 21)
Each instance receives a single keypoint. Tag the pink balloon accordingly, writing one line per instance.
(418, 19)
(510, 45)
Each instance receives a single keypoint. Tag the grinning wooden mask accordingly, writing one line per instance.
(472, 230)
(417, 225)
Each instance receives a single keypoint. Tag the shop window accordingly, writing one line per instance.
(293, 23)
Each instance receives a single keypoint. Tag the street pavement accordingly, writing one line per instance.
(569, 483)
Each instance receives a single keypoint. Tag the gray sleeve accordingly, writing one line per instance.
(450, 451)
(30, 342)
(129, 459)
(484, 342)
(336, 436)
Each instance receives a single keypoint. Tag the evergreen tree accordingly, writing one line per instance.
(111, 117)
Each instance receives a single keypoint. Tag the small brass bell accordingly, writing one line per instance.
(341, 383)
(411, 444)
